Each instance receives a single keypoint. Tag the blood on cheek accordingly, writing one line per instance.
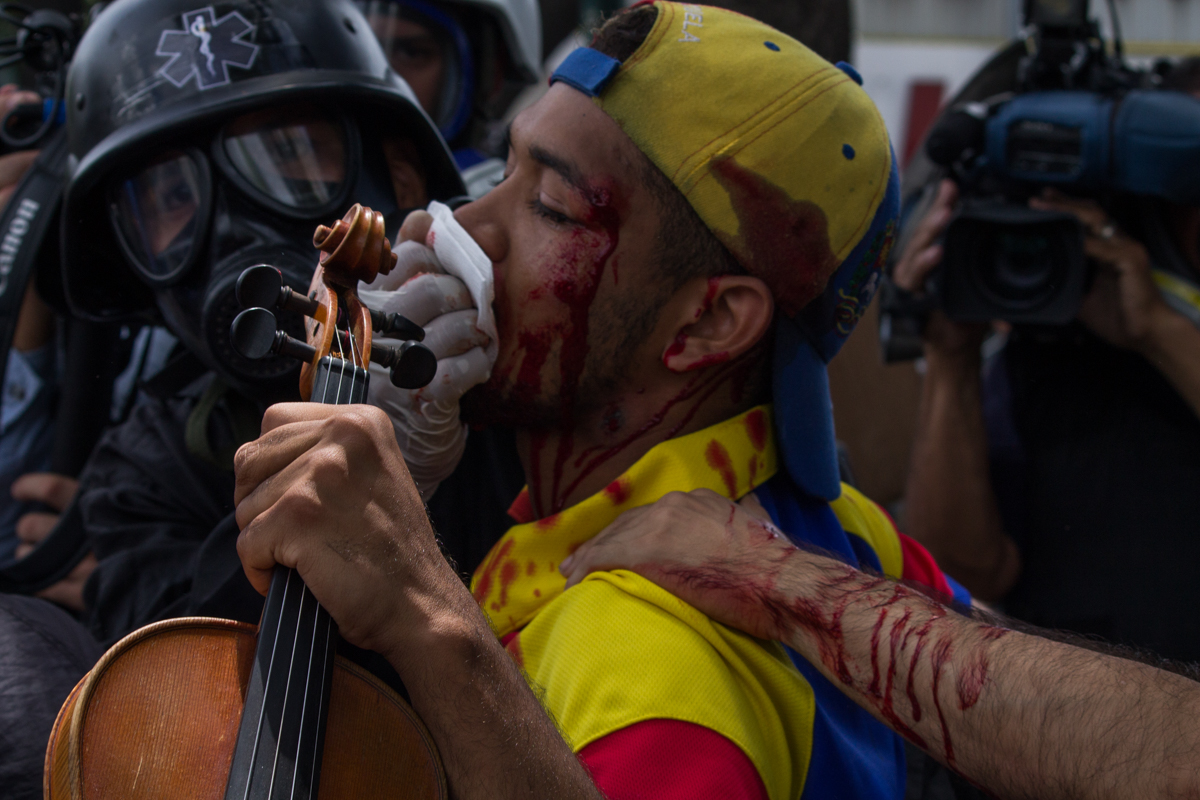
(571, 269)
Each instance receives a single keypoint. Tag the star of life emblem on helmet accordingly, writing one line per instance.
(206, 48)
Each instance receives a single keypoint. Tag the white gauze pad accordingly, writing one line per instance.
(463, 258)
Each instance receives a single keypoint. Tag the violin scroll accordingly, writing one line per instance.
(339, 326)
(355, 248)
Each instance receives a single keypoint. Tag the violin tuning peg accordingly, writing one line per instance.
(260, 287)
(254, 335)
(415, 366)
(396, 326)
(253, 331)
(412, 365)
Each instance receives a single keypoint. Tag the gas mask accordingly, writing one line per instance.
(199, 211)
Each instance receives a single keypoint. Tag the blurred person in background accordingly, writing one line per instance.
(465, 60)
(1061, 475)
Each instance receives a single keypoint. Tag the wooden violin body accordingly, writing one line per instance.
(158, 717)
(210, 708)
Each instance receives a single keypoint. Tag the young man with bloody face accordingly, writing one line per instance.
(693, 218)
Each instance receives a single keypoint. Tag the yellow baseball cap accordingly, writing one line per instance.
(786, 159)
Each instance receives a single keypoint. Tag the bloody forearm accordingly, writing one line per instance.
(950, 506)
(1019, 715)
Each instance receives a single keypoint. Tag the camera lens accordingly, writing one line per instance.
(1020, 268)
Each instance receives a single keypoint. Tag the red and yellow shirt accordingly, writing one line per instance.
(640, 683)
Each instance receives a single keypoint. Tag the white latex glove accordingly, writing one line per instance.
(426, 420)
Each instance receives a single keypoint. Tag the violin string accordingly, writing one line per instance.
(325, 388)
(358, 359)
(342, 370)
(357, 363)
(266, 685)
(312, 649)
(312, 778)
(287, 691)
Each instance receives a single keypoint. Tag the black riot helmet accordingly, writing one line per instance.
(204, 139)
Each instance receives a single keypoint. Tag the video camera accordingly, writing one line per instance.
(1080, 119)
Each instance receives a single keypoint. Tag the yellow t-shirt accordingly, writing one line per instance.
(617, 650)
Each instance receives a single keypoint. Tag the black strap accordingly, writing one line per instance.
(23, 226)
(52, 560)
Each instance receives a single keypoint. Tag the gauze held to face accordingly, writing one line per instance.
(447, 289)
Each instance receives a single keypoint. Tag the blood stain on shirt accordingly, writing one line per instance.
(618, 491)
(718, 458)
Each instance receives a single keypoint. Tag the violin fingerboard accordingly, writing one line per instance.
(281, 736)
(338, 381)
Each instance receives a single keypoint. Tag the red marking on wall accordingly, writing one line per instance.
(618, 491)
(753, 470)
(488, 571)
(756, 428)
(537, 592)
(546, 523)
(924, 102)
(530, 568)
(718, 458)
(782, 241)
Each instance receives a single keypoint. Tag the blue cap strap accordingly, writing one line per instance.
(587, 70)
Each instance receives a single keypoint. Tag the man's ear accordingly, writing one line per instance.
(715, 320)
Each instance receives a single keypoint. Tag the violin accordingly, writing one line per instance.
(212, 708)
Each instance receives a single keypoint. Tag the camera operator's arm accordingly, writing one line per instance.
(1125, 307)
(1019, 715)
(950, 506)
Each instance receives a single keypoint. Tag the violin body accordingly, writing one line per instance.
(158, 717)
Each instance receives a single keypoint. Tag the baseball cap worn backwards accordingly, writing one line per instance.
(786, 159)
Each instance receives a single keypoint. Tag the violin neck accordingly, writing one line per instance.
(282, 732)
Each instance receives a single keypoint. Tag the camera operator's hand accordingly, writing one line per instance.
(1125, 307)
(922, 254)
(428, 429)
(1123, 304)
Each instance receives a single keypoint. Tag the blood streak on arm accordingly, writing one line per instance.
(871, 635)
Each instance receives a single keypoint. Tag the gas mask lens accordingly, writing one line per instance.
(296, 160)
(156, 213)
